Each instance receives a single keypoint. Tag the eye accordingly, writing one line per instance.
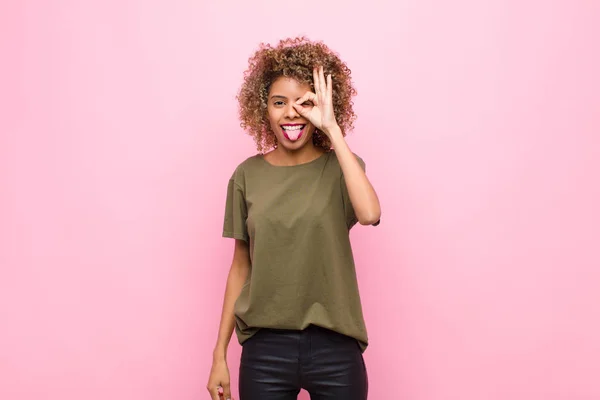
(308, 104)
(278, 103)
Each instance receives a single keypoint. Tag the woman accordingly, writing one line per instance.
(292, 293)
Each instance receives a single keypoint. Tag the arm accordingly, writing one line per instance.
(238, 273)
(362, 195)
(321, 115)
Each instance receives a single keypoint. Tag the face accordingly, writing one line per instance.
(292, 131)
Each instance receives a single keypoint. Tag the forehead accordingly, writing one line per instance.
(287, 85)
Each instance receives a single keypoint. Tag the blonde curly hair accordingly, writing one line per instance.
(295, 58)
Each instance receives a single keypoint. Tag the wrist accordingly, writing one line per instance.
(219, 355)
(337, 138)
(333, 132)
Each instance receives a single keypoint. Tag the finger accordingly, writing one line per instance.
(322, 84)
(316, 81)
(329, 87)
(214, 393)
(226, 391)
(308, 96)
(303, 111)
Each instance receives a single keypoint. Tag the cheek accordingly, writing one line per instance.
(270, 114)
(273, 117)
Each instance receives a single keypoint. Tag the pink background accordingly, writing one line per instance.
(478, 120)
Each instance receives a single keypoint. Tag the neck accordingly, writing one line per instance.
(307, 153)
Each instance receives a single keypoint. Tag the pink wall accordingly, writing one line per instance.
(479, 122)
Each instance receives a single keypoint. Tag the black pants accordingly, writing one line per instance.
(276, 364)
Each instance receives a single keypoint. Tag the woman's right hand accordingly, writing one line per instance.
(219, 379)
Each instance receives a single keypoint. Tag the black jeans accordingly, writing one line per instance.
(276, 364)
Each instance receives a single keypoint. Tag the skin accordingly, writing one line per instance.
(292, 102)
(219, 380)
(283, 95)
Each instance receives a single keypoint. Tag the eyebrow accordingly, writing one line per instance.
(282, 97)
(278, 96)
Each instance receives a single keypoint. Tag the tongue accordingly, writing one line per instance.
(293, 134)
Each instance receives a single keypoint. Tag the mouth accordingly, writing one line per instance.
(293, 132)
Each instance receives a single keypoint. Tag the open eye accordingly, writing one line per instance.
(278, 103)
(308, 103)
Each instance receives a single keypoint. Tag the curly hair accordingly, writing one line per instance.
(295, 58)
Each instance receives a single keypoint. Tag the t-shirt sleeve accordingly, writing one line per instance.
(351, 218)
(234, 224)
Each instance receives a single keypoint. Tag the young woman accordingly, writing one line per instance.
(292, 294)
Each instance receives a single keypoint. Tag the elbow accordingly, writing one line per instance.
(369, 212)
(370, 219)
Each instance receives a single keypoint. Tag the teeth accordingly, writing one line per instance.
(293, 128)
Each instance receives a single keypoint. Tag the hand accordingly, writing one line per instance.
(321, 113)
(219, 379)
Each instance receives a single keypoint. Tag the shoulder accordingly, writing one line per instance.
(334, 158)
(250, 162)
(246, 166)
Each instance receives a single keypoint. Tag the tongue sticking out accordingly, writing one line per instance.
(293, 134)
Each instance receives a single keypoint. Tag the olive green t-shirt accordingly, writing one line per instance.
(296, 220)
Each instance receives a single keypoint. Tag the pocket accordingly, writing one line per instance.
(248, 348)
(360, 353)
(336, 337)
(253, 337)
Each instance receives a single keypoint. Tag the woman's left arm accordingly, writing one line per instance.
(362, 195)
(321, 115)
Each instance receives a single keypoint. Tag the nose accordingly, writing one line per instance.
(291, 112)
